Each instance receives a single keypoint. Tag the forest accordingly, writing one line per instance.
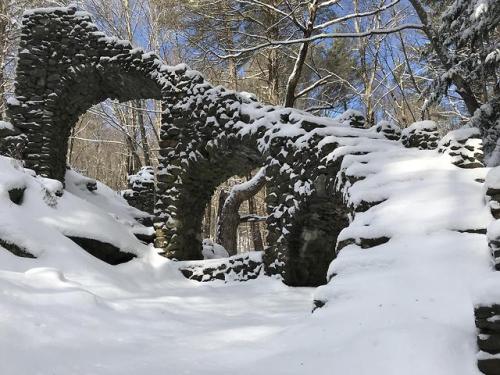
(283, 186)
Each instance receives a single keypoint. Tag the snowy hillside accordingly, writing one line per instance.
(402, 307)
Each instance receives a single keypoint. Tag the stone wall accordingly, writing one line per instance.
(487, 316)
(488, 338)
(208, 134)
(464, 146)
(242, 267)
(12, 141)
(65, 66)
(422, 134)
(141, 190)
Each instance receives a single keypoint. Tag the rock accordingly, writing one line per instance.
(317, 304)
(241, 267)
(488, 338)
(15, 249)
(16, 195)
(104, 251)
(489, 366)
(390, 130)
(421, 134)
(352, 118)
(489, 343)
(464, 146)
(141, 190)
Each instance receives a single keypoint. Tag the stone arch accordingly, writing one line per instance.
(208, 134)
(222, 134)
(199, 152)
(200, 180)
(66, 66)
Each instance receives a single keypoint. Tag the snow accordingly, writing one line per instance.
(345, 118)
(481, 7)
(44, 219)
(76, 314)
(6, 125)
(247, 185)
(403, 307)
(493, 57)
(426, 125)
(212, 250)
(407, 305)
(249, 96)
(105, 198)
(492, 179)
(426, 190)
(461, 134)
(163, 324)
(13, 101)
(144, 176)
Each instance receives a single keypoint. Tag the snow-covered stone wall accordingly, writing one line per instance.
(65, 66)
(208, 134)
(141, 190)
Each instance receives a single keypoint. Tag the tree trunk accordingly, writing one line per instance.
(133, 159)
(273, 63)
(229, 217)
(208, 220)
(4, 22)
(142, 129)
(254, 226)
(293, 79)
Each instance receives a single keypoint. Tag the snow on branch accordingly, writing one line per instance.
(364, 34)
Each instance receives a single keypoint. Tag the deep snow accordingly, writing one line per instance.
(404, 307)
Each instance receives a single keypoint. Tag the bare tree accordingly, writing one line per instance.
(229, 217)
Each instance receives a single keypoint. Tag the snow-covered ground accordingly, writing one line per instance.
(147, 320)
(404, 307)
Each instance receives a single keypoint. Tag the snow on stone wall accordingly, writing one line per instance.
(208, 134)
(141, 190)
(422, 134)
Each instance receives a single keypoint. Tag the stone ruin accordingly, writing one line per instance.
(141, 190)
(464, 146)
(208, 134)
(423, 135)
(390, 130)
(488, 338)
(487, 316)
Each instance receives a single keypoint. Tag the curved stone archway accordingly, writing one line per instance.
(66, 66)
(198, 152)
(214, 134)
(208, 134)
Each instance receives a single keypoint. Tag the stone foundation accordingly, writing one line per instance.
(242, 267)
